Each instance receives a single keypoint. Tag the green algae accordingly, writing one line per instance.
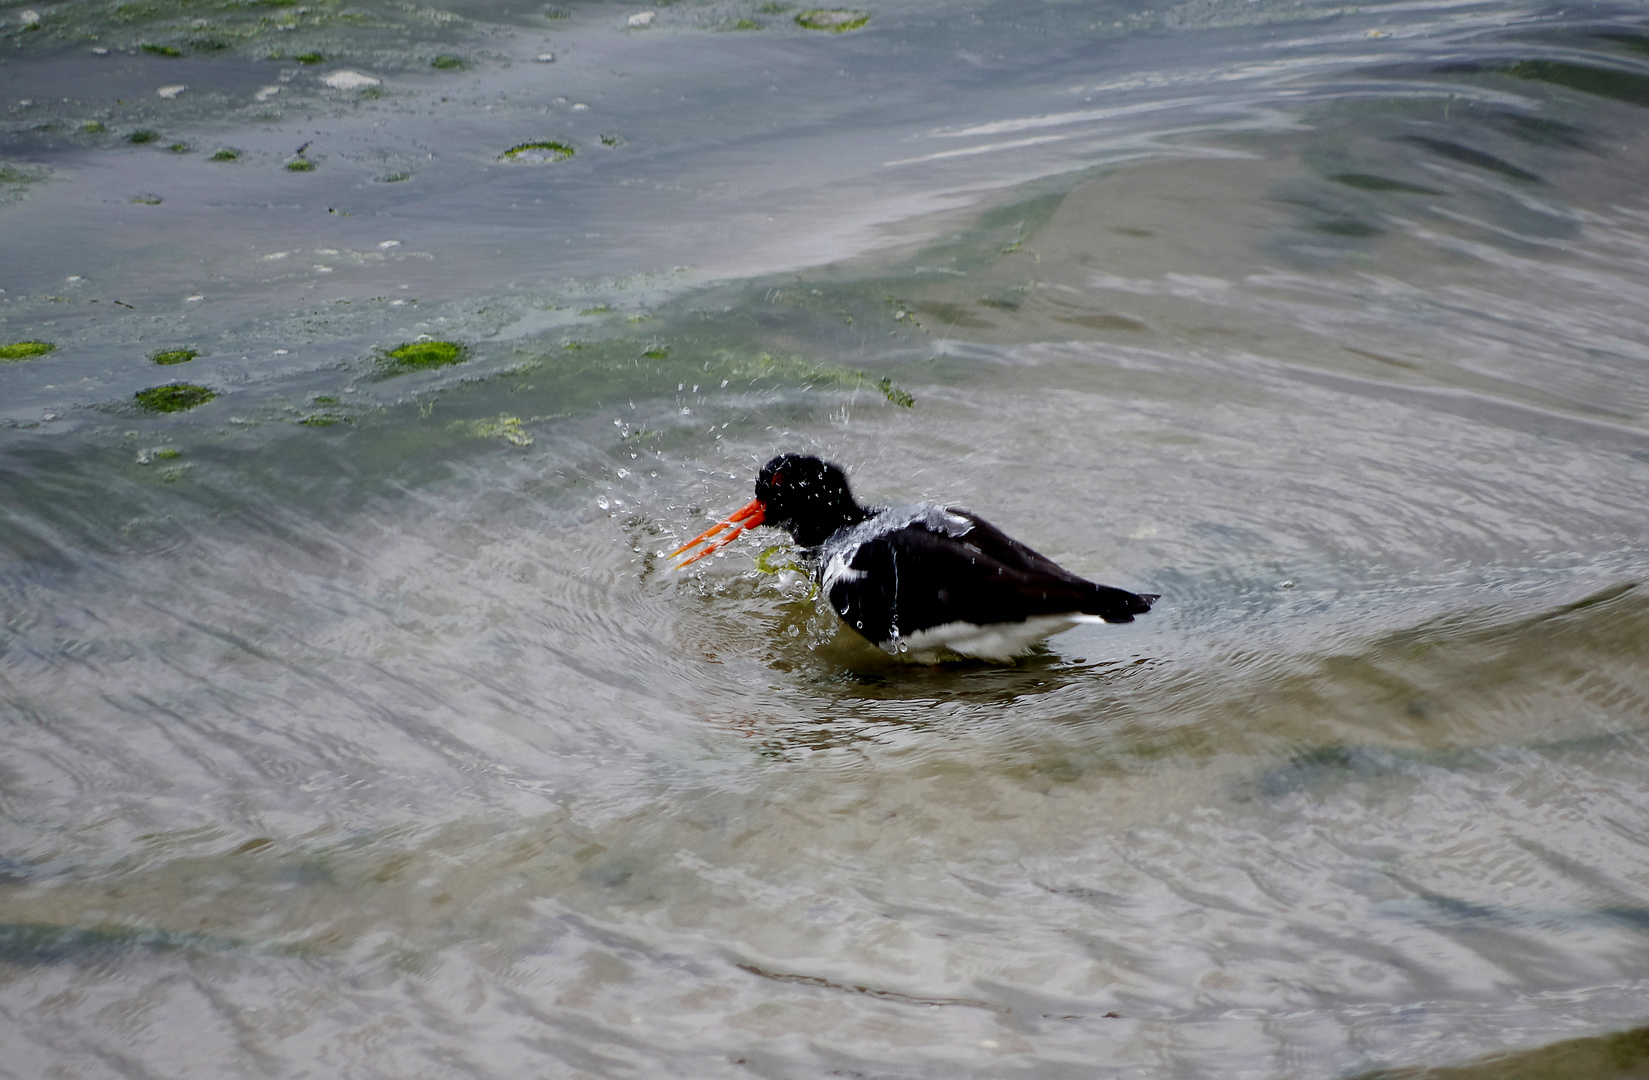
(612, 140)
(394, 177)
(93, 127)
(143, 135)
(161, 50)
(10, 174)
(744, 24)
(424, 355)
(599, 309)
(174, 356)
(765, 562)
(173, 397)
(657, 352)
(544, 150)
(895, 395)
(447, 62)
(147, 199)
(180, 148)
(225, 154)
(167, 453)
(835, 20)
(310, 58)
(507, 428)
(300, 164)
(19, 351)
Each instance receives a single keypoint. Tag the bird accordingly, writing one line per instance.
(925, 582)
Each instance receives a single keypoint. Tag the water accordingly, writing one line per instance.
(353, 726)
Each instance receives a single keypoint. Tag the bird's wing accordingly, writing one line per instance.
(995, 544)
(921, 576)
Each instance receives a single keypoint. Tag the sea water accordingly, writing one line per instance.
(352, 724)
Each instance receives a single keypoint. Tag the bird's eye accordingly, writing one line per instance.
(778, 478)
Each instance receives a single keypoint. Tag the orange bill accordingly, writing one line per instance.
(746, 517)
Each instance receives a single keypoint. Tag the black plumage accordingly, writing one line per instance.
(925, 579)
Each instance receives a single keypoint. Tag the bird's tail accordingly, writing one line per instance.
(1118, 605)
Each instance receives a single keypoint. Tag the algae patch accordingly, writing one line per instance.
(300, 164)
(446, 62)
(174, 397)
(896, 395)
(225, 154)
(835, 20)
(174, 356)
(546, 150)
(424, 355)
(14, 181)
(507, 428)
(143, 135)
(24, 350)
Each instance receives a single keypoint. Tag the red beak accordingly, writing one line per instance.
(746, 517)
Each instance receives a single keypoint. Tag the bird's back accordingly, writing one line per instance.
(915, 573)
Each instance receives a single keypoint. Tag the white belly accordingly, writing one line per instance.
(998, 641)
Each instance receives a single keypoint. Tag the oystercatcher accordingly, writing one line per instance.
(923, 581)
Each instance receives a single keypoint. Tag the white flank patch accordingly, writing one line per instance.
(348, 80)
(1000, 642)
(641, 19)
(171, 91)
(836, 569)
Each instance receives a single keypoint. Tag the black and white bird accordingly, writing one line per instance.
(923, 581)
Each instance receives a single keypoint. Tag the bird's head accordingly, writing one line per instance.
(806, 497)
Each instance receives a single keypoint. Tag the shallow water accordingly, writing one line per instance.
(353, 725)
